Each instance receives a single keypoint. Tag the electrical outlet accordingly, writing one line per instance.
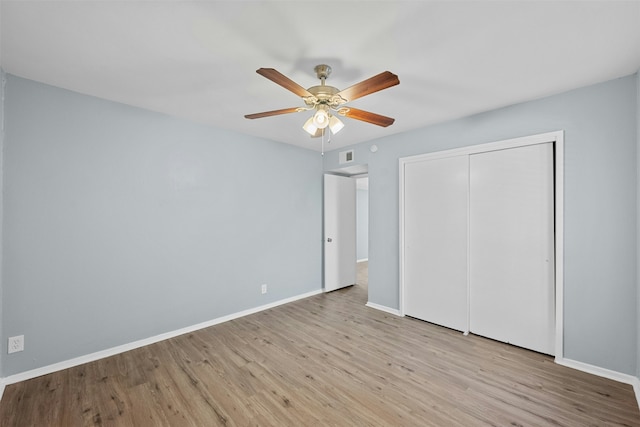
(264, 288)
(16, 344)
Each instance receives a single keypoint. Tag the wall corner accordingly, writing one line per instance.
(3, 81)
(637, 228)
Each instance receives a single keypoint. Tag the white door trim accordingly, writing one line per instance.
(557, 138)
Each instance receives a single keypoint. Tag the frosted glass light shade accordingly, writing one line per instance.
(321, 119)
(310, 127)
(335, 124)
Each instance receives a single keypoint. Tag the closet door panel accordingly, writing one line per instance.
(435, 241)
(511, 246)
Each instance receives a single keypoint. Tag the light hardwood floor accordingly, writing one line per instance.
(324, 361)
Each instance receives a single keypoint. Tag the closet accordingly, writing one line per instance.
(477, 244)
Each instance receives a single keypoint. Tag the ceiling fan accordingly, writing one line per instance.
(325, 100)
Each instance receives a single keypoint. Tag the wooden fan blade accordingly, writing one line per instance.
(284, 81)
(374, 84)
(365, 116)
(273, 113)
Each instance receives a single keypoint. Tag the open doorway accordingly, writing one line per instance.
(359, 229)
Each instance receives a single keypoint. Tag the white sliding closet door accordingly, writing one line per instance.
(435, 241)
(511, 245)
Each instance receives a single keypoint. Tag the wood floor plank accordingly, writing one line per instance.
(324, 361)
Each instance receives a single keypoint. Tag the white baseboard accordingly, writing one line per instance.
(602, 372)
(362, 260)
(383, 308)
(23, 376)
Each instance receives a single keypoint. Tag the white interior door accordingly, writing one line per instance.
(435, 241)
(511, 246)
(339, 232)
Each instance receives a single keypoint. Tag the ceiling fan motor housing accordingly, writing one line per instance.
(324, 95)
(323, 92)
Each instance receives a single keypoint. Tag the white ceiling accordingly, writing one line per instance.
(197, 59)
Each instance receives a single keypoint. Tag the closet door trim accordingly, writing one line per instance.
(557, 138)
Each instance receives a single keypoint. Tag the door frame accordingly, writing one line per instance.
(557, 138)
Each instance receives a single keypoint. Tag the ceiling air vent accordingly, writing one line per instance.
(346, 157)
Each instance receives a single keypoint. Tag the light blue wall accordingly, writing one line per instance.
(638, 221)
(600, 208)
(3, 346)
(121, 224)
(362, 221)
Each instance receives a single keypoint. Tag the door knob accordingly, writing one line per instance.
(329, 239)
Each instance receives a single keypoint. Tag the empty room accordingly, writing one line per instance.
(305, 213)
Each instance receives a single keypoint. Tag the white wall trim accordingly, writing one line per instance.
(559, 240)
(1, 388)
(23, 376)
(596, 370)
(521, 141)
(602, 372)
(383, 308)
(362, 260)
(557, 137)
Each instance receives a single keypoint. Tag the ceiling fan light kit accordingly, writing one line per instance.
(325, 99)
